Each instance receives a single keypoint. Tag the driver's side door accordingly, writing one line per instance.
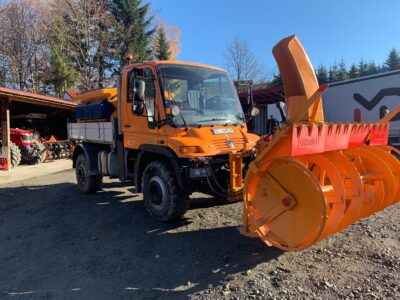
(139, 126)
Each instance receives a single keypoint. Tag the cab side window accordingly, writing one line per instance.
(150, 95)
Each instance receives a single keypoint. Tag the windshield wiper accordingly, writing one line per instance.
(240, 117)
(210, 120)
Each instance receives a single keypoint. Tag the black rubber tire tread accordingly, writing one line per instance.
(178, 200)
(93, 182)
(236, 197)
(42, 154)
(16, 156)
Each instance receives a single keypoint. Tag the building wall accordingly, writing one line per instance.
(340, 103)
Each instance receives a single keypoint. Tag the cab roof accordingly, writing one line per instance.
(177, 62)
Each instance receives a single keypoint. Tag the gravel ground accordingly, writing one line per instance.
(59, 244)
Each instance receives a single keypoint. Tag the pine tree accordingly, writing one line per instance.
(62, 75)
(381, 68)
(322, 74)
(161, 48)
(342, 71)
(333, 73)
(353, 72)
(136, 29)
(362, 68)
(372, 68)
(393, 61)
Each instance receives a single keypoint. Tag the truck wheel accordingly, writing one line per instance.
(15, 155)
(88, 184)
(232, 198)
(41, 154)
(162, 196)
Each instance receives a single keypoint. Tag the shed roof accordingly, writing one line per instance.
(37, 99)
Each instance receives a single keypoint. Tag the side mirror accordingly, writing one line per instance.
(139, 89)
(254, 111)
(138, 108)
(175, 110)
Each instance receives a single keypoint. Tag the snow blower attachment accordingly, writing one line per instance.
(314, 178)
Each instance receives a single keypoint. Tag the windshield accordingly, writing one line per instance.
(205, 96)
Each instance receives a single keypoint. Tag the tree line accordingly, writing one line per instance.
(49, 46)
(339, 71)
(244, 66)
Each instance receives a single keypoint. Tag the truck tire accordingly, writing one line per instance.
(233, 198)
(163, 198)
(41, 156)
(15, 155)
(88, 184)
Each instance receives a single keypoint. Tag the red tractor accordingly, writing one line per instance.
(26, 147)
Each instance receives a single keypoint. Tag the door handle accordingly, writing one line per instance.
(128, 125)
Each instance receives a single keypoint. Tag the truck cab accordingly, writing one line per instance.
(175, 131)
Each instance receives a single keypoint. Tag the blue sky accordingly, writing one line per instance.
(329, 30)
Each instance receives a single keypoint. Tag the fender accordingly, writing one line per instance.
(159, 151)
(91, 152)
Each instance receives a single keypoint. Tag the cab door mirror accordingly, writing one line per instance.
(254, 111)
(138, 91)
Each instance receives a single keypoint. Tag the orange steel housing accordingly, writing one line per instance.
(314, 178)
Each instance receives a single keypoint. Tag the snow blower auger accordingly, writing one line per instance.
(313, 178)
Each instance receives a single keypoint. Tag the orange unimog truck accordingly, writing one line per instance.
(179, 128)
(174, 127)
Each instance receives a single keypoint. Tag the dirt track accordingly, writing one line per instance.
(59, 244)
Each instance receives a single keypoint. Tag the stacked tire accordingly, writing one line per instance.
(15, 153)
(41, 154)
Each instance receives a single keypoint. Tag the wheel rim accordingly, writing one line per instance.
(158, 192)
(81, 174)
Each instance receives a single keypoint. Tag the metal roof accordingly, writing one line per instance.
(265, 96)
(37, 99)
(378, 75)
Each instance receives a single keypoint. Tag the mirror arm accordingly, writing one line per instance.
(168, 120)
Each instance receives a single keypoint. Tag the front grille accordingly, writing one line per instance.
(221, 144)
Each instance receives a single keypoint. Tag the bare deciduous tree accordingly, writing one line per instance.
(241, 62)
(173, 36)
(85, 32)
(23, 50)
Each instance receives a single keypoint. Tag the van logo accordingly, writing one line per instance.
(370, 104)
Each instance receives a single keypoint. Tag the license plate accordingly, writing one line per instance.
(222, 131)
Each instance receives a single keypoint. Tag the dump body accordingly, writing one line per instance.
(91, 132)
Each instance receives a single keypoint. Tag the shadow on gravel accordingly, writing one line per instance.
(58, 243)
